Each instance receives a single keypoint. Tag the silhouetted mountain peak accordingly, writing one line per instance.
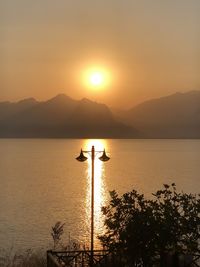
(88, 102)
(172, 116)
(28, 100)
(85, 100)
(92, 109)
(62, 98)
(61, 116)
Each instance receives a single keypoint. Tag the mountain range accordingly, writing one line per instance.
(174, 116)
(60, 117)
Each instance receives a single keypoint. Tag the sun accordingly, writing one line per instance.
(96, 78)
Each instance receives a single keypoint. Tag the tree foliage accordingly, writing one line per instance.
(144, 229)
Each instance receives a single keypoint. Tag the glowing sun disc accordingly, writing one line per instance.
(96, 78)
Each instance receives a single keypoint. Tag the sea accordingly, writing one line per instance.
(42, 183)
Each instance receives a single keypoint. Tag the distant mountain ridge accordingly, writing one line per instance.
(173, 116)
(60, 117)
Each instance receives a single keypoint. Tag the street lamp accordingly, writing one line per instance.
(83, 158)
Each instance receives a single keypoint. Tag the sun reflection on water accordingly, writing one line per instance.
(100, 190)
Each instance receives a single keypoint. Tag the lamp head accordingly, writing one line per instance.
(81, 157)
(104, 157)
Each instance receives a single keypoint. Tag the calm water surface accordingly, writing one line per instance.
(42, 183)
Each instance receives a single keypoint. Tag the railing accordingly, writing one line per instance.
(195, 260)
(79, 258)
(104, 258)
(182, 260)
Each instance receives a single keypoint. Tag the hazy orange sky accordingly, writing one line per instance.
(150, 48)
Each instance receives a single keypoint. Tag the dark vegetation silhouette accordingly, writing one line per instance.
(60, 244)
(153, 232)
(161, 231)
(56, 233)
(27, 258)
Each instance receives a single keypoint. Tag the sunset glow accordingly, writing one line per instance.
(100, 195)
(99, 133)
(96, 78)
(108, 52)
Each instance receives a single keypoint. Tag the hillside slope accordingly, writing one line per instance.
(61, 116)
(174, 116)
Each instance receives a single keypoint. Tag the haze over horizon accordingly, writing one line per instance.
(174, 116)
(149, 48)
(64, 96)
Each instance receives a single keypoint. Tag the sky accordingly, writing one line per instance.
(148, 48)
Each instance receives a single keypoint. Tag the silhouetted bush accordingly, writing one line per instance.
(28, 258)
(145, 230)
(57, 232)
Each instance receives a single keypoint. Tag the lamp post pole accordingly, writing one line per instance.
(92, 207)
(82, 158)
